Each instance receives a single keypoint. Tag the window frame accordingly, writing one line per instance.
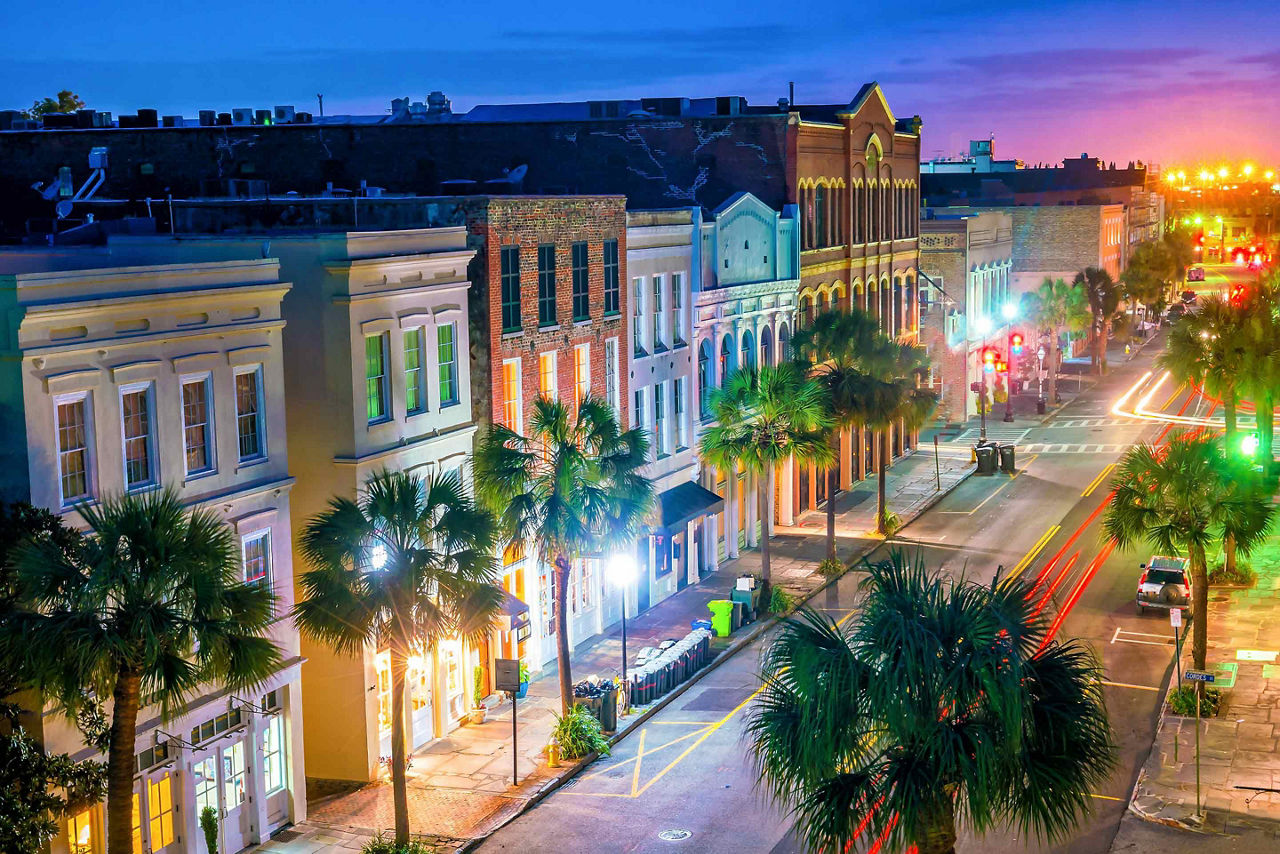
(261, 414)
(547, 308)
(210, 466)
(455, 396)
(659, 317)
(660, 419)
(418, 386)
(545, 358)
(509, 288)
(263, 535)
(85, 398)
(677, 310)
(612, 278)
(613, 376)
(581, 373)
(637, 317)
(384, 384)
(679, 388)
(280, 752)
(148, 387)
(580, 280)
(517, 415)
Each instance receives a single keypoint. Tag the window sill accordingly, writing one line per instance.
(378, 422)
(548, 327)
(511, 333)
(581, 321)
(250, 463)
(614, 313)
(199, 475)
(661, 348)
(679, 345)
(449, 404)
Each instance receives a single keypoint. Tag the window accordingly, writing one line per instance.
(547, 598)
(196, 424)
(611, 295)
(659, 419)
(726, 359)
(233, 782)
(706, 382)
(613, 377)
(680, 389)
(547, 375)
(139, 436)
(205, 774)
(249, 414)
(581, 292)
(581, 373)
(511, 395)
(415, 390)
(748, 360)
(677, 309)
(80, 832)
(256, 555)
(73, 448)
(637, 314)
(510, 282)
(137, 823)
(547, 284)
(659, 337)
(273, 756)
(376, 391)
(160, 810)
(447, 360)
(820, 216)
(638, 412)
(586, 591)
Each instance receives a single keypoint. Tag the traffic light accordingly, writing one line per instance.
(1249, 445)
(1015, 343)
(1237, 295)
(989, 357)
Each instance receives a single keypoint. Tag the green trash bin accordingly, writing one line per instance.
(721, 617)
(987, 459)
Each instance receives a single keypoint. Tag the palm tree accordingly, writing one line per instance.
(144, 610)
(943, 702)
(763, 418)
(571, 489)
(836, 341)
(892, 397)
(1185, 498)
(1060, 308)
(1261, 373)
(405, 565)
(1104, 298)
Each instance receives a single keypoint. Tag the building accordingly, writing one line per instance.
(744, 315)
(966, 262)
(128, 376)
(663, 249)
(981, 158)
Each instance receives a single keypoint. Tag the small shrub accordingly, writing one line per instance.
(831, 568)
(781, 602)
(524, 671)
(479, 692)
(578, 733)
(383, 844)
(892, 523)
(209, 826)
(1183, 702)
(1243, 575)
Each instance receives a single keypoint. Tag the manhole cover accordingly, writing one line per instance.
(674, 835)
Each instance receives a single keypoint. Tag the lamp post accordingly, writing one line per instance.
(984, 329)
(1009, 311)
(621, 572)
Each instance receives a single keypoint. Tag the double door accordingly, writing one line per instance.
(222, 781)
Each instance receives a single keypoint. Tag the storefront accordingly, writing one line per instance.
(682, 545)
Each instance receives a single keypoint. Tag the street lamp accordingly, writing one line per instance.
(621, 571)
(378, 556)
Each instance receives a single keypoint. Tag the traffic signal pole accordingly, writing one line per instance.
(1008, 387)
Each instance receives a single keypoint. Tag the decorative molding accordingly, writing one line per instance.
(247, 355)
(148, 369)
(72, 381)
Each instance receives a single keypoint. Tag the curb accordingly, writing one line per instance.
(760, 627)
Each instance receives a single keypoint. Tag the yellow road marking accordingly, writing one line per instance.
(1127, 685)
(1035, 549)
(1093, 484)
(1105, 797)
(1177, 391)
(618, 765)
(635, 773)
(1014, 477)
(681, 723)
(674, 762)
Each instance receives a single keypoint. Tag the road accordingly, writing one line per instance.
(1218, 279)
(685, 770)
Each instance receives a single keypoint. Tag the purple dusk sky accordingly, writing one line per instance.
(1169, 82)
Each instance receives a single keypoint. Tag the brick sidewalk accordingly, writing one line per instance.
(460, 786)
(1238, 747)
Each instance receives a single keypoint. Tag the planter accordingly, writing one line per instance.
(478, 714)
(524, 689)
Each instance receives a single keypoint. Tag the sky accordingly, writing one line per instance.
(1173, 83)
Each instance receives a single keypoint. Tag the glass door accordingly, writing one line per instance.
(161, 820)
(419, 681)
(235, 788)
(204, 780)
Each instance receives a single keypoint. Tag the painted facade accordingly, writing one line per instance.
(127, 377)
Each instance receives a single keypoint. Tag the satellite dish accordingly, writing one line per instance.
(63, 208)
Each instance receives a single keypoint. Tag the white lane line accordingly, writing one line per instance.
(1116, 635)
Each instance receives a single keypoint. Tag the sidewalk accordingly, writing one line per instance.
(460, 786)
(1238, 747)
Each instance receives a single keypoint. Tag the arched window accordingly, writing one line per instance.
(705, 379)
(784, 341)
(806, 311)
(766, 346)
(898, 324)
(820, 215)
(748, 360)
(909, 312)
(726, 359)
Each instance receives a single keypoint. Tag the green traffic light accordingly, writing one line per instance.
(1249, 444)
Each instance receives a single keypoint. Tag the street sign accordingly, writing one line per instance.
(1175, 617)
(506, 674)
(1198, 676)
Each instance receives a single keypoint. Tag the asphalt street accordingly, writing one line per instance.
(685, 770)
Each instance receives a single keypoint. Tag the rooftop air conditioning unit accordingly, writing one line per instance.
(208, 118)
(262, 117)
(102, 119)
(242, 116)
(284, 114)
(172, 121)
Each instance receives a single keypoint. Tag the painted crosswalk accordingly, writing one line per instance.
(1095, 422)
(1070, 448)
(1001, 434)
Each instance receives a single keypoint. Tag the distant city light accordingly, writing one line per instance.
(1247, 170)
(1204, 175)
(1223, 171)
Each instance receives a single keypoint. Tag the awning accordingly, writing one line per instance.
(686, 502)
(515, 613)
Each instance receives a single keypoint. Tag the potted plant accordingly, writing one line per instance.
(209, 826)
(478, 708)
(524, 680)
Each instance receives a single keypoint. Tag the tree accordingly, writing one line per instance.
(1148, 277)
(572, 489)
(1059, 308)
(66, 102)
(1104, 299)
(144, 610)
(943, 702)
(1184, 498)
(1179, 253)
(1261, 371)
(405, 565)
(762, 418)
(892, 397)
(830, 349)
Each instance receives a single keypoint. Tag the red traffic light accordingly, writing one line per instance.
(1237, 295)
(1015, 343)
(989, 357)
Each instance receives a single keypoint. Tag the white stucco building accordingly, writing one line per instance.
(125, 377)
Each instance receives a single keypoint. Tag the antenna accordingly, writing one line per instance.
(320, 100)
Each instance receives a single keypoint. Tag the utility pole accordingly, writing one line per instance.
(1008, 390)
(320, 99)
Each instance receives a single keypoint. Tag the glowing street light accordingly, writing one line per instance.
(983, 325)
(378, 556)
(1223, 171)
(1205, 175)
(1009, 311)
(621, 572)
(1247, 170)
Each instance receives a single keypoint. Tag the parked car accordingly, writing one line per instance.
(1195, 274)
(1175, 313)
(1188, 297)
(1165, 584)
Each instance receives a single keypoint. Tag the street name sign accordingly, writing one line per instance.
(1198, 676)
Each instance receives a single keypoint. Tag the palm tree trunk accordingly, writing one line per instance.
(399, 757)
(126, 701)
(1266, 429)
(562, 633)
(1229, 438)
(1055, 361)
(1199, 606)
(762, 502)
(882, 508)
(833, 481)
(936, 831)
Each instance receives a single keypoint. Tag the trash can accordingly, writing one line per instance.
(747, 598)
(986, 456)
(609, 709)
(1006, 459)
(592, 703)
(1041, 406)
(721, 616)
(700, 624)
